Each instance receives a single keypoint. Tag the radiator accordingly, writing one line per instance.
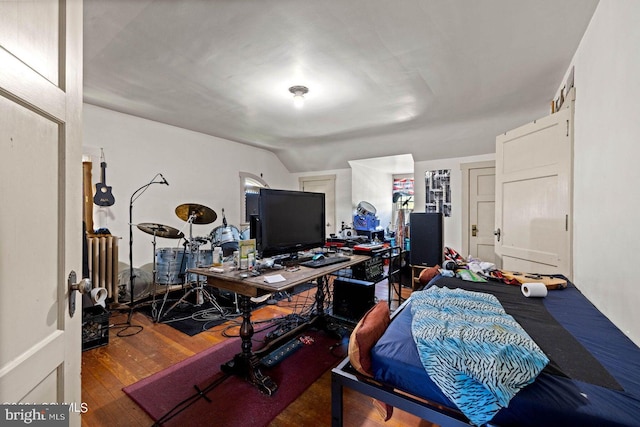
(103, 263)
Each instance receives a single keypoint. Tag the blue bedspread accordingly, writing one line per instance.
(476, 353)
(552, 400)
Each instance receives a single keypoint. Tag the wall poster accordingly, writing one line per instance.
(438, 191)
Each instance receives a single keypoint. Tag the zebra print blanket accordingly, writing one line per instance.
(477, 354)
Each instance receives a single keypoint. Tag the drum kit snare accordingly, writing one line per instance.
(170, 265)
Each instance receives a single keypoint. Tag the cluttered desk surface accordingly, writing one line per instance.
(269, 280)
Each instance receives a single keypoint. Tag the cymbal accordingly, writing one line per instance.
(203, 214)
(161, 230)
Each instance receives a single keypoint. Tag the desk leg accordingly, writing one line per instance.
(322, 281)
(246, 364)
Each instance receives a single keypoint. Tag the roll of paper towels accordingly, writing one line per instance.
(534, 289)
(98, 296)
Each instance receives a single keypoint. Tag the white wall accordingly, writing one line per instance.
(607, 151)
(346, 202)
(363, 178)
(199, 168)
(453, 223)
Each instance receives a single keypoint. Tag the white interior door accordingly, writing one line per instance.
(482, 193)
(323, 184)
(41, 208)
(534, 195)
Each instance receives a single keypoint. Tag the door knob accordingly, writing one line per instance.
(83, 287)
(497, 233)
(474, 230)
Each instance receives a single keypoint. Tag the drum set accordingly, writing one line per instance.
(170, 264)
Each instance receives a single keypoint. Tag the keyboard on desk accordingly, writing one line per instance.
(323, 262)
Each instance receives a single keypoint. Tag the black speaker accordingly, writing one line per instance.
(251, 205)
(426, 238)
(352, 298)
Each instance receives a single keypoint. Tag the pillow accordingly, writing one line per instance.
(364, 336)
(427, 274)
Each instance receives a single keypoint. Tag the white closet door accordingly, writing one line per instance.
(41, 208)
(534, 166)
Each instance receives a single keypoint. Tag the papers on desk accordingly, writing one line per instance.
(274, 278)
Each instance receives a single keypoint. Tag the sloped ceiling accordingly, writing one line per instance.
(430, 78)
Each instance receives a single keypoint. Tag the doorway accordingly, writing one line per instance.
(323, 184)
(478, 211)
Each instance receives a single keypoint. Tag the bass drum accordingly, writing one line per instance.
(143, 284)
(197, 259)
(225, 237)
(171, 265)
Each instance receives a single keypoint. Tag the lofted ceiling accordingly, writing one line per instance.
(430, 78)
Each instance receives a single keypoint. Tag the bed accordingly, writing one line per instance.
(592, 378)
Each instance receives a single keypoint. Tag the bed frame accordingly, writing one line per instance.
(604, 403)
(344, 375)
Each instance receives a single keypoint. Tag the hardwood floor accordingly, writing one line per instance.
(128, 359)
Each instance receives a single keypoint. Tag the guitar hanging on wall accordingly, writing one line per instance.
(103, 196)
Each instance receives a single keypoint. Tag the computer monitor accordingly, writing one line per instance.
(288, 222)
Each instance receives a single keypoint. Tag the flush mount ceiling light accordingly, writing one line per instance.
(298, 95)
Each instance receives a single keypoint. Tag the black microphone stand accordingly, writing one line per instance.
(131, 275)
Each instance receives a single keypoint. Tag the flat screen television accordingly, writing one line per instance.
(288, 222)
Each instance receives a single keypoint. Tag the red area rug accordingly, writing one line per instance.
(234, 402)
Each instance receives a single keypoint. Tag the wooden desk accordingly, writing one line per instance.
(246, 363)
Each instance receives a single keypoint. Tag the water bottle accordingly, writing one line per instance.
(217, 256)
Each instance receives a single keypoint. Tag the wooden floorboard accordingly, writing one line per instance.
(126, 360)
